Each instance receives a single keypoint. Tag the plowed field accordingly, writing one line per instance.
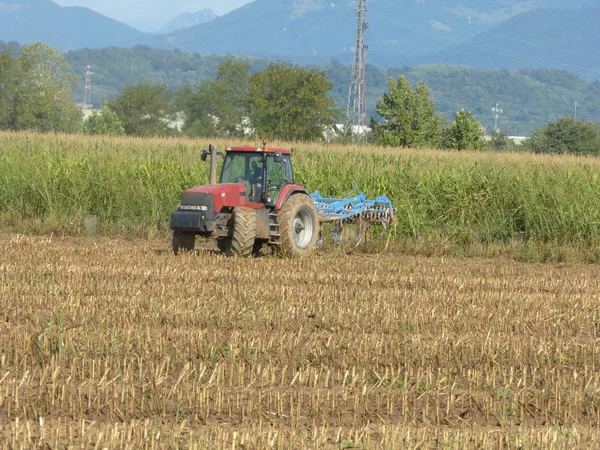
(109, 343)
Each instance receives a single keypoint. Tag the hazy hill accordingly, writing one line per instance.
(28, 21)
(187, 20)
(482, 33)
(400, 33)
(541, 38)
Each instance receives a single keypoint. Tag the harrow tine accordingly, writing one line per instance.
(338, 233)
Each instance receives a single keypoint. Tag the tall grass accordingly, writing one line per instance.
(63, 179)
(462, 198)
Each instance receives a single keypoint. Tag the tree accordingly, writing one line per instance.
(7, 88)
(410, 116)
(37, 91)
(499, 141)
(142, 110)
(106, 122)
(566, 136)
(465, 133)
(291, 103)
(218, 107)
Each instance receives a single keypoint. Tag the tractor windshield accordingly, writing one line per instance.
(247, 168)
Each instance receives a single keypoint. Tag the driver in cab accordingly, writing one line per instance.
(256, 180)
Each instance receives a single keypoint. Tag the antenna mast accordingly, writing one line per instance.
(356, 113)
(496, 111)
(87, 97)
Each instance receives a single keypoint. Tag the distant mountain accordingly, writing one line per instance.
(543, 38)
(187, 20)
(399, 33)
(515, 34)
(28, 21)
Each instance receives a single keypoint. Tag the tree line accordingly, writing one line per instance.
(530, 98)
(282, 101)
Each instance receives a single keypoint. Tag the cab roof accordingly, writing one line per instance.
(249, 149)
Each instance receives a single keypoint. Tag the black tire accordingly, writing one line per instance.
(183, 241)
(223, 244)
(258, 245)
(298, 226)
(244, 233)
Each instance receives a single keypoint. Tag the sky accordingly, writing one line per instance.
(150, 15)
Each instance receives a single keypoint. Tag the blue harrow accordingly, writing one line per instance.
(354, 210)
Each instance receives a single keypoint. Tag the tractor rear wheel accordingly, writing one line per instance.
(183, 241)
(298, 226)
(244, 233)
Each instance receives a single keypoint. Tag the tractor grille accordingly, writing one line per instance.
(197, 213)
(191, 220)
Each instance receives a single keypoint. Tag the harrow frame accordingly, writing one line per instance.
(353, 210)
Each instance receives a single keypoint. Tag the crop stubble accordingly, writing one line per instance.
(119, 344)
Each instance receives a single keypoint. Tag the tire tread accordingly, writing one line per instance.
(244, 232)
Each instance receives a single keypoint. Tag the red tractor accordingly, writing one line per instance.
(255, 203)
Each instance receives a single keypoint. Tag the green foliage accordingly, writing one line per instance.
(567, 136)
(500, 142)
(530, 98)
(142, 110)
(117, 68)
(219, 107)
(410, 117)
(465, 133)
(35, 90)
(8, 84)
(126, 183)
(106, 122)
(291, 103)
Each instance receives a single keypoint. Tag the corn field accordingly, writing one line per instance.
(528, 207)
(115, 343)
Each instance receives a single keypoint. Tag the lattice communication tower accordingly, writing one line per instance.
(87, 97)
(356, 113)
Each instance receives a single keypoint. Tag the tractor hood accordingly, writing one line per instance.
(220, 190)
(223, 195)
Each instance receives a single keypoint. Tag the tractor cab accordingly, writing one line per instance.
(263, 173)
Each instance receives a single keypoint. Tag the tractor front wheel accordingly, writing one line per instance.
(183, 241)
(298, 226)
(241, 242)
(223, 244)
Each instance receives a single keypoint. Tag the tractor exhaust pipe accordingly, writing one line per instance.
(213, 164)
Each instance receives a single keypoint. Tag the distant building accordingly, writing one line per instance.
(517, 140)
(87, 109)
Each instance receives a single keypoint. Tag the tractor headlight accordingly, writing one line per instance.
(193, 208)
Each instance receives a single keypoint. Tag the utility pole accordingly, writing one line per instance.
(576, 110)
(356, 112)
(497, 111)
(87, 97)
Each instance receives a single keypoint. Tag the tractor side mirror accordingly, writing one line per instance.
(278, 158)
(204, 155)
